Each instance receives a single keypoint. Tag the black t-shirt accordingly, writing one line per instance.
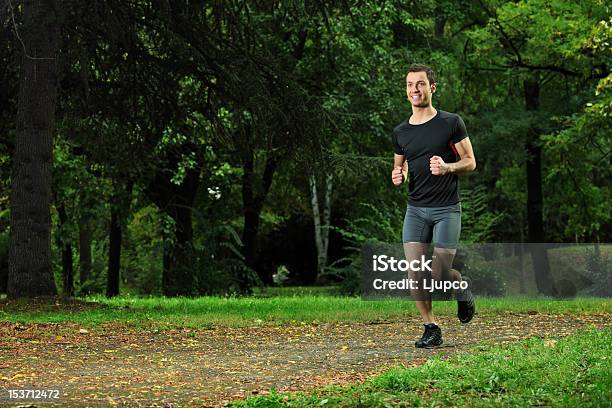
(418, 143)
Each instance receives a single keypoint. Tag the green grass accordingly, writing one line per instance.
(275, 291)
(573, 372)
(205, 312)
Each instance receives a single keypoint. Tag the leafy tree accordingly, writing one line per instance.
(580, 153)
(511, 44)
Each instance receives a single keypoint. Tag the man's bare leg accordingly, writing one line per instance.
(414, 250)
(432, 336)
(442, 265)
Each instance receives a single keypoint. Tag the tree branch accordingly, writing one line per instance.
(499, 27)
(519, 63)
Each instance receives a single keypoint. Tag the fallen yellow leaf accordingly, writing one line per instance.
(550, 343)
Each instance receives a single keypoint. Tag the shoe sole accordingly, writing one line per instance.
(430, 347)
(469, 319)
(434, 346)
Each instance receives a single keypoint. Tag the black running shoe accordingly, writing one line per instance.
(431, 338)
(466, 307)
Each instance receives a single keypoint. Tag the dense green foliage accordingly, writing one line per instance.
(194, 128)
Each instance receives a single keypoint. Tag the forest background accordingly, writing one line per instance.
(193, 148)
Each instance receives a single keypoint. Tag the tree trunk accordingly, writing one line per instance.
(84, 249)
(178, 273)
(114, 253)
(177, 202)
(440, 20)
(321, 224)
(120, 205)
(251, 213)
(252, 203)
(66, 248)
(327, 214)
(521, 251)
(535, 219)
(30, 272)
(439, 24)
(314, 201)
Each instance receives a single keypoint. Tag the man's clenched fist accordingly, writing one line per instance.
(397, 176)
(437, 166)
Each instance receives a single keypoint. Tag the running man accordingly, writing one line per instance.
(426, 146)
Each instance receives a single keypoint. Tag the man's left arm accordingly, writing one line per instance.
(466, 153)
(467, 163)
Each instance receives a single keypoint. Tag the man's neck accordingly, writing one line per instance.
(422, 115)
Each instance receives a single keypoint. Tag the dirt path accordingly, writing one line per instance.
(118, 366)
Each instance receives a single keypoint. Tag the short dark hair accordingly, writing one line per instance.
(431, 75)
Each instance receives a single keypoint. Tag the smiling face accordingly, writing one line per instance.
(419, 90)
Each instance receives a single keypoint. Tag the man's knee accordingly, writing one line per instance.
(445, 251)
(414, 250)
(442, 261)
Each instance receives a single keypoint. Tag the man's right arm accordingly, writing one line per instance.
(400, 169)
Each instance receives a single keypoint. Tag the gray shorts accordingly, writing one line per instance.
(440, 225)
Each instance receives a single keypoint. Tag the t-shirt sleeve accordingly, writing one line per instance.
(460, 132)
(396, 146)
